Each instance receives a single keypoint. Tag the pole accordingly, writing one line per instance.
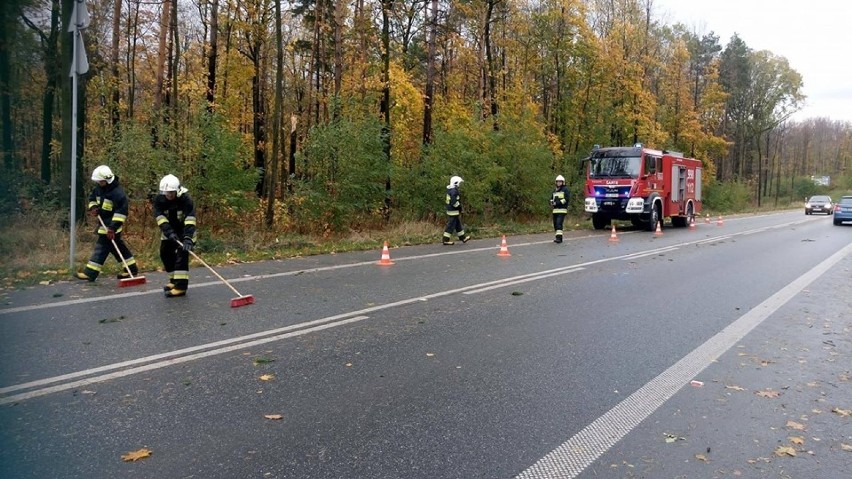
(72, 221)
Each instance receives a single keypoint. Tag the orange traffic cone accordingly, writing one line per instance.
(612, 236)
(707, 219)
(385, 261)
(719, 222)
(692, 223)
(504, 249)
(659, 231)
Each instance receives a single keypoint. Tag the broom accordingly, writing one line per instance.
(240, 300)
(132, 280)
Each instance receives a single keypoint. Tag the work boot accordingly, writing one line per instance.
(174, 293)
(123, 275)
(84, 276)
(169, 287)
(558, 239)
(465, 239)
(448, 242)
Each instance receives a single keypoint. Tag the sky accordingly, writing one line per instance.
(815, 36)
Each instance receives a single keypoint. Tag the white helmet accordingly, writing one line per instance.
(169, 183)
(103, 173)
(560, 178)
(455, 181)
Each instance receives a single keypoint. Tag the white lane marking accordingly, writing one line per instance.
(650, 253)
(535, 278)
(170, 362)
(573, 456)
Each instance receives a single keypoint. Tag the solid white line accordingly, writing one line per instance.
(510, 283)
(171, 362)
(573, 456)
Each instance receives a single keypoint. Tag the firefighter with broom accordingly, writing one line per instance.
(175, 215)
(109, 202)
(454, 209)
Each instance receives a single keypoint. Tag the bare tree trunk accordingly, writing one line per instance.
(162, 53)
(387, 6)
(212, 55)
(276, 120)
(489, 60)
(132, 35)
(115, 115)
(339, 10)
(429, 99)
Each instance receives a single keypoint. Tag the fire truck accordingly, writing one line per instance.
(642, 185)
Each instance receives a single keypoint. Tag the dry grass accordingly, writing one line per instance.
(35, 248)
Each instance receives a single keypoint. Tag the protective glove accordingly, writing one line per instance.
(93, 211)
(111, 234)
(187, 245)
(173, 237)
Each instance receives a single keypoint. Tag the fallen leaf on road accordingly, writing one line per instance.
(795, 425)
(842, 412)
(348, 365)
(846, 447)
(797, 440)
(136, 455)
(267, 377)
(430, 354)
(735, 388)
(274, 417)
(782, 451)
(701, 457)
(672, 438)
(768, 393)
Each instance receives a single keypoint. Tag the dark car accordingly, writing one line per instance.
(819, 204)
(843, 210)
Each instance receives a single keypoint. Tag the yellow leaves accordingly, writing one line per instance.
(782, 451)
(430, 355)
(768, 393)
(136, 455)
(267, 377)
(797, 440)
(846, 447)
(795, 425)
(274, 417)
(842, 412)
(701, 457)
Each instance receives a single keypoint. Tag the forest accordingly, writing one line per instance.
(321, 117)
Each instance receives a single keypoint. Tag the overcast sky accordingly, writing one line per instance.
(814, 35)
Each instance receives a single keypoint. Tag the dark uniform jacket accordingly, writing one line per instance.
(112, 206)
(177, 216)
(559, 199)
(453, 201)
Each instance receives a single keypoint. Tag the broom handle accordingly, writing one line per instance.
(211, 270)
(115, 245)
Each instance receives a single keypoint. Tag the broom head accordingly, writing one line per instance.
(134, 281)
(242, 301)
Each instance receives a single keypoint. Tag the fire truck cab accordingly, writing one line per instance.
(642, 185)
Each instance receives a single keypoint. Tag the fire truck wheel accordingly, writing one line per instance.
(599, 222)
(653, 218)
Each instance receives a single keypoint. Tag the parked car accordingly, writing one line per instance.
(843, 210)
(819, 204)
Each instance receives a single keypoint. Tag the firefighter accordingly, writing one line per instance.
(454, 209)
(559, 203)
(109, 202)
(175, 215)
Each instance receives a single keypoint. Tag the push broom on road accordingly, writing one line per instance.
(123, 282)
(240, 300)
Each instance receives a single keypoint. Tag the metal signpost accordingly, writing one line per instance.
(79, 66)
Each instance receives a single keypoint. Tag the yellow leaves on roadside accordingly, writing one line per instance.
(795, 425)
(267, 377)
(274, 417)
(782, 451)
(136, 455)
(842, 412)
(735, 388)
(701, 457)
(768, 393)
(796, 440)
(846, 447)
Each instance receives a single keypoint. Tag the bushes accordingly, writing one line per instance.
(730, 196)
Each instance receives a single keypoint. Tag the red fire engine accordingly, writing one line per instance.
(642, 185)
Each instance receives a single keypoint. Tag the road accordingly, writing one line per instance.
(571, 360)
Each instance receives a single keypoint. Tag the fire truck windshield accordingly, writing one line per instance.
(615, 167)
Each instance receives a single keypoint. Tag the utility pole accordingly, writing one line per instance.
(79, 66)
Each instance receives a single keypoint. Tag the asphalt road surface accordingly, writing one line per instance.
(681, 355)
